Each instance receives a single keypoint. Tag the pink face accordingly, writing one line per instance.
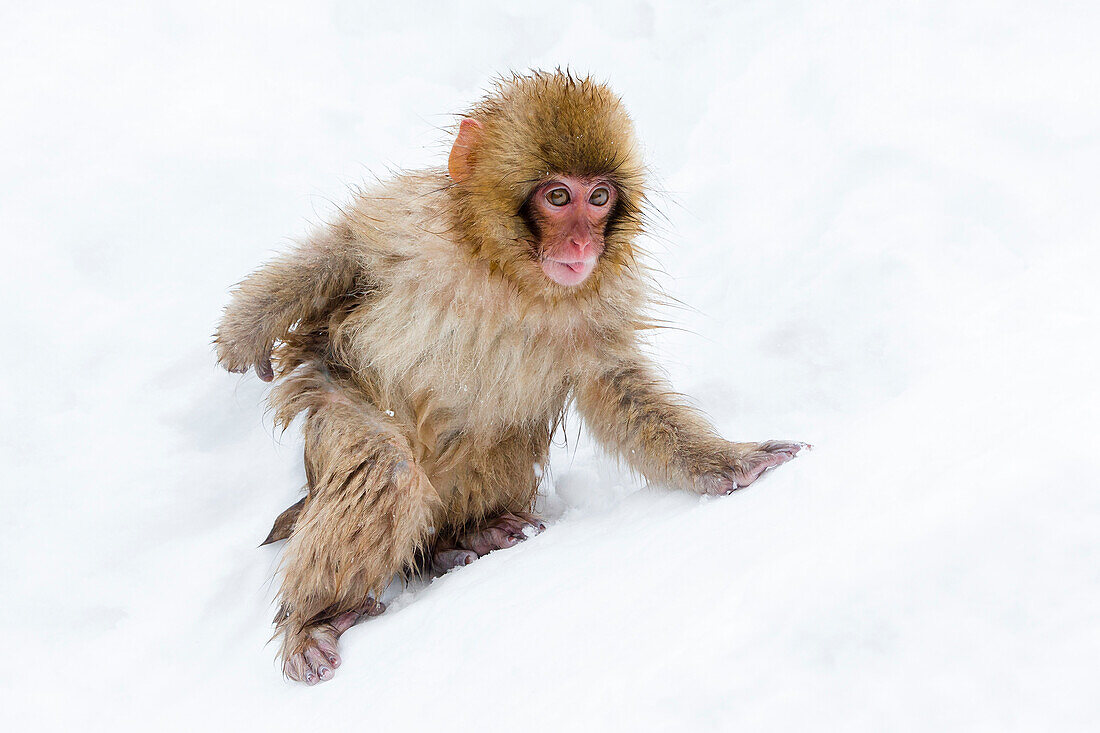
(571, 215)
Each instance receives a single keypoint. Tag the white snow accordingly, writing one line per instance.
(883, 221)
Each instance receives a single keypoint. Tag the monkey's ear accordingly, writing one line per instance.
(469, 135)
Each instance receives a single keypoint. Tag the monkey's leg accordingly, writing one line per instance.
(497, 534)
(370, 510)
(489, 506)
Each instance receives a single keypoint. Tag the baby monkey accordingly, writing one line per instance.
(435, 332)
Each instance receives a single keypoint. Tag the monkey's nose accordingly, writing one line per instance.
(582, 246)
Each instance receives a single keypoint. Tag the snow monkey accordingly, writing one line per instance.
(434, 333)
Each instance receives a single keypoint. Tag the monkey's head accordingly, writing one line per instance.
(549, 182)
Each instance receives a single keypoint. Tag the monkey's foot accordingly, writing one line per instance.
(750, 463)
(311, 654)
(500, 533)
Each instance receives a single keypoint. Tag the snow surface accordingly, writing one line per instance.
(882, 219)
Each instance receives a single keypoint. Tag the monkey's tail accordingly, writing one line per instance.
(285, 522)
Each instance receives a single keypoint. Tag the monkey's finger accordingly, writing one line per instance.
(750, 469)
(772, 460)
(782, 446)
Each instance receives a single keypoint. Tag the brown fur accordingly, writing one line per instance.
(284, 523)
(433, 359)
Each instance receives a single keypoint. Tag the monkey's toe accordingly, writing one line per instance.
(308, 668)
(528, 524)
(321, 663)
(486, 540)
(311, 666)
(448, 559)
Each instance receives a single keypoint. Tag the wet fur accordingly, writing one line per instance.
(433, 360)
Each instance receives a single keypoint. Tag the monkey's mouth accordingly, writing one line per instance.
(568, 273)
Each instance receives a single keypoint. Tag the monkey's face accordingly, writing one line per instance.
(569, 216)
(548, 185)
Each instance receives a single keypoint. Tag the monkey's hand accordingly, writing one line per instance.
(241, 349)
(745, 463)
(294, 287)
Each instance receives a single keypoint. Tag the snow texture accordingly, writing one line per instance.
(883, 221)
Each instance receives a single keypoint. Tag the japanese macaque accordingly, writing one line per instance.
(435, 332)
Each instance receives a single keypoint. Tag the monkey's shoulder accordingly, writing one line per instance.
(392, 224)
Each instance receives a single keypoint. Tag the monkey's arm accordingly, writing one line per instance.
(634, 412)
(296, 286)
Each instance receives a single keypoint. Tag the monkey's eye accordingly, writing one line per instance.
(599, 197)
(558, 197)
